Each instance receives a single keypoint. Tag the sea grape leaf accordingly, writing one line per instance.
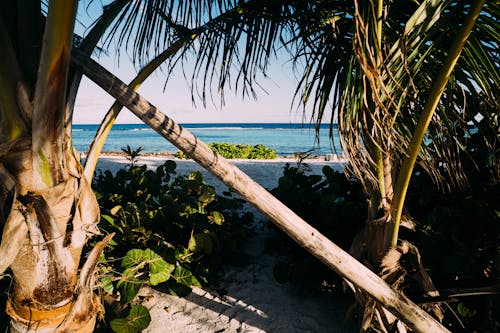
(107, 285)
(160, 276)
(133, 258)
(160, 271)
(207, 196)
(170, 166)
(185, 277)
(137, 320)
(196, 176)
(128, 290)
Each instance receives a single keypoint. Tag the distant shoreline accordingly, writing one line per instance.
(328, 157)
(323, 125)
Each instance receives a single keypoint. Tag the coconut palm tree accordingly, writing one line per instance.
(402, 85)
(48, 209)
(47, 206)
(401, 77)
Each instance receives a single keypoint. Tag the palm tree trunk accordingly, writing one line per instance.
(52, 226)
(308, 237)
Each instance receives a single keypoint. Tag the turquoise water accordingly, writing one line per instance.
(286, 139)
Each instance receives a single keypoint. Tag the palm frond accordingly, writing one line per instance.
(88, 44)
(239, 45)
(49, 102)
(110, 117)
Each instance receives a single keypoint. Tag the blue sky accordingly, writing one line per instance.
(272, 105)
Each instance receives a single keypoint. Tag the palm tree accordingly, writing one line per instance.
(390, 71)
(400, 96)
(48, 209)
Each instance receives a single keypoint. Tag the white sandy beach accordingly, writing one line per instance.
(264, 172)
(247, 298)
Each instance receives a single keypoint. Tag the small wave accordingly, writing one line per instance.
(138, 129)
(224, 128)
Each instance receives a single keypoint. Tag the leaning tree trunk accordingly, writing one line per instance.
(308, 237)
(44, 233)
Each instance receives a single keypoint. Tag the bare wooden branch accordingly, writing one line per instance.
(308, 237)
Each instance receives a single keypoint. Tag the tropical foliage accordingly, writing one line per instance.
(232, 151)
(168, 231)
(466, 269)
(401, 77)
(401, 90)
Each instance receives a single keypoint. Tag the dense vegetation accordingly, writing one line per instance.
(393, 72)
(232, 151)
(169, 232)
(461, 225)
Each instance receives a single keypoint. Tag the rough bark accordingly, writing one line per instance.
(44, 233)
(308, 237)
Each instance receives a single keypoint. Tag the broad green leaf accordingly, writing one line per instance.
(137, 320)
(170, 166)
(185, 277)
(195, 175)
(120, 325)
(128, 290)
(107, 285)
(160, 271)
(133, 258)
(207, 196)
(129, 273)
(161, 276)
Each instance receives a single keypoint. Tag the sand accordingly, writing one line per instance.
(247, 298)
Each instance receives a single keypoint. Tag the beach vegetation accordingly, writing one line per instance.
(252, 152)
(237, 150)
(400, 75)
(132, 154)
(169, 232)
(327, 201)
(255, 58)
(403, 93)
(465, 266)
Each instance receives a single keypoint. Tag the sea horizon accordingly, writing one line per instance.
(212, 123)
(286, 138)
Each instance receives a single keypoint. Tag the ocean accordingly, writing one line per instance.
(285, 138)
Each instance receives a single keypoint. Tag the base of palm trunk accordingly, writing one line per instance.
(27, 320)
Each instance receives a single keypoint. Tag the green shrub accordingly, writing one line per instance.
(461, 225)
(232, 151)
(168, 231)
(331, 203)
(180, 154)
